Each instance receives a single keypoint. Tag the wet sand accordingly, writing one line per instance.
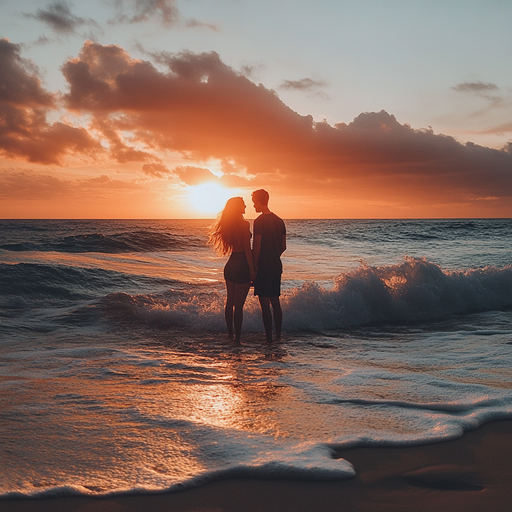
(470, 474)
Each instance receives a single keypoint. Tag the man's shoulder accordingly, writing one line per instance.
(270, 217)
(268, 222)
(278, 221)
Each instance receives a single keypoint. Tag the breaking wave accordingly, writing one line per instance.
(414, 291)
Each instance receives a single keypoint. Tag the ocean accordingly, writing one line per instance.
(116, 375)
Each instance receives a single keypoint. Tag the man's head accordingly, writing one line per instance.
(260, 198)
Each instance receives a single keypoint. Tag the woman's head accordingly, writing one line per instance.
(235, 207)
(227, 228)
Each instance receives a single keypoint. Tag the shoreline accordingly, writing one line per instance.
(472, 474)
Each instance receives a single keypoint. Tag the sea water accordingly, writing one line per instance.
(116, 376)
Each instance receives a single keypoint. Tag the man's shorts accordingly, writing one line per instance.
(267, 285)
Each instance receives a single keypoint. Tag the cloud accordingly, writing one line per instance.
(235, 181)
(251, 70)
(194, 175)
(29, 185)
(105, 183)
(478, 87)
(19, 83)
(118, 148)
(156, 170)
(484, 90)
(164, 12)
(305, 84)
(43, 40)
(198, 106)
(193, 23)
(58, 17)
(204, 109)
(24, 104)
(140, 11)
(508, 146)
(499, 129)
(191, 175)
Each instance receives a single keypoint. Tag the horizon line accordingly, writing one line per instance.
(252, 218)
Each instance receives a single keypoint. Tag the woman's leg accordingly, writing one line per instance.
(241, 291)
(228, 310)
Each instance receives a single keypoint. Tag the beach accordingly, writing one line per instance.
(470, 474)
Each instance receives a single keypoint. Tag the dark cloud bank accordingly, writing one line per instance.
(204, 109)
(24, 106)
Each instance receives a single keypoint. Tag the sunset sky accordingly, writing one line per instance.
(339, 108)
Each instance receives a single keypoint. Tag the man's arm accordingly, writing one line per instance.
(256, 249)
(283, 244)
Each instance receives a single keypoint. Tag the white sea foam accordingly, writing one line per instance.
(414, 291)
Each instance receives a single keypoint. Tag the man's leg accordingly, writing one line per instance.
(267, 317)
(278, 316)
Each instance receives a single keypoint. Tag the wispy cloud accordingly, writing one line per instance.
(30, 184)
(193, 23)
(140, 11)
(477, 87)
(42, 40)
(304, 84)
(308, 85)
(501, 128)
(488, 91)
(59, 18)
(163, 12)
(156, 170)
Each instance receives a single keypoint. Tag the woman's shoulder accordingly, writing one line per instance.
(246, 227)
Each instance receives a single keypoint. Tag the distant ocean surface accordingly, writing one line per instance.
(115, 374)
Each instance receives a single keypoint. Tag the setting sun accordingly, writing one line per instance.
(209, 198)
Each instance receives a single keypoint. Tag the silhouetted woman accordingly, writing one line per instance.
(231, 235)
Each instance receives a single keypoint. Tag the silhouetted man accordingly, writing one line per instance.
(269, 243)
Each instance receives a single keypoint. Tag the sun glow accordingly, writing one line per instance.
(209, 198)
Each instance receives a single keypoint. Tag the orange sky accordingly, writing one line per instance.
(133, 138)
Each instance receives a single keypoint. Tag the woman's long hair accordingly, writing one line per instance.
(227, 229)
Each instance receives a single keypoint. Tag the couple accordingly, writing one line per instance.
(262, 265)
